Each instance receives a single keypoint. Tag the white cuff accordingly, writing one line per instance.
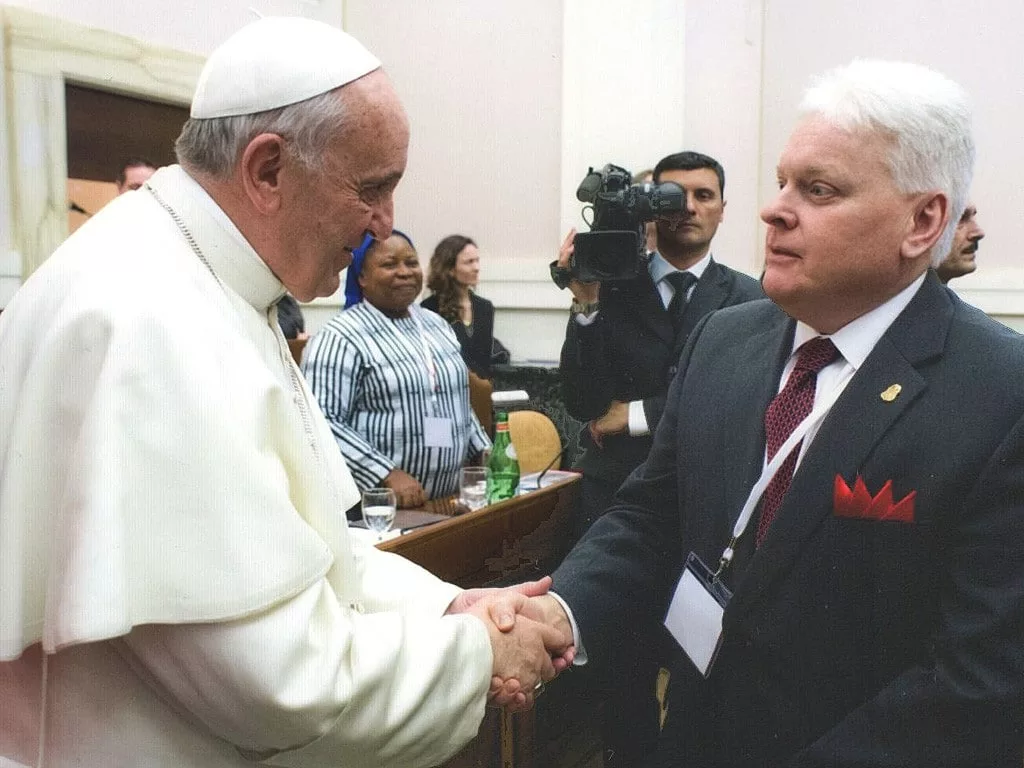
(638, 419)
(581, 652)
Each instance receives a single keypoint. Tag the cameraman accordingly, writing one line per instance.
(619, 355)
(624, 337)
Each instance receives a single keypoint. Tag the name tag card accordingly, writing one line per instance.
(695, 614)
(437, 432)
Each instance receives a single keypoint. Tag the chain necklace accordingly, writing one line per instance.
(298, 394)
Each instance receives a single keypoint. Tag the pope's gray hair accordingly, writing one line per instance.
(927, 116)
(213, 146)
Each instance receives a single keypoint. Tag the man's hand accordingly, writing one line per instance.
(584, 293)
(503, 612)
(522, 655)
(614, 422)
(408, 491)
(503, 606)
(548, 611)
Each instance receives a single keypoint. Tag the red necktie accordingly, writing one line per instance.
(786, 411)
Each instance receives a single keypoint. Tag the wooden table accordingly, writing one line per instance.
(497, 544)
(515, 540)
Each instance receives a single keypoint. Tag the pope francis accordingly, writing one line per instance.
(178, 586)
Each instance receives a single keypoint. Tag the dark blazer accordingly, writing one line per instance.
(476, 348)
(630, 352)
(848, 642)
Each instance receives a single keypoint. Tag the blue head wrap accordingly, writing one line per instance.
(353, 293)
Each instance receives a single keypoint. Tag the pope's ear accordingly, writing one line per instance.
(261, 167)
(931, 212)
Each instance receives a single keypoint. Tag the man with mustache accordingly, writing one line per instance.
(960, 260)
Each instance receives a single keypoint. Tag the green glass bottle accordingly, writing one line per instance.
(503, 467)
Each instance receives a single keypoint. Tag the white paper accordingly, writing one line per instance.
(437, 433)
(695, 620)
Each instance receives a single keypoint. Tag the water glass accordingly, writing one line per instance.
(473, 487)
(379, 506)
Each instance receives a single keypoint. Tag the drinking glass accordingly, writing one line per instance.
(473, 487)
(379, 510)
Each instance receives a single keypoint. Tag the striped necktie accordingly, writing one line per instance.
(785, 412)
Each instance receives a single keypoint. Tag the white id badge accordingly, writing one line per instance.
(695, 614)
(437, 432)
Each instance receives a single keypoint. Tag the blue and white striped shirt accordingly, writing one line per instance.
(371, 379)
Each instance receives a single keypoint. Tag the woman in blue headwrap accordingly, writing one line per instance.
(390, 378)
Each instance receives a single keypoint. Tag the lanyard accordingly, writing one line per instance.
(814, 418)
(428, 359)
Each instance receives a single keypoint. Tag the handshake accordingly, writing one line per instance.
(531, 639)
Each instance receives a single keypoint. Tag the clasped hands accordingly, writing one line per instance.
(531, 638)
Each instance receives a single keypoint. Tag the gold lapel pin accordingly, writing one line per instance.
(891, 393)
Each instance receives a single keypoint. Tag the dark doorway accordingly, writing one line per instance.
(105, 128)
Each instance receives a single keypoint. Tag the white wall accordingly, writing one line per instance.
(10, 259)
(194, 26)
(977, 44)
(511, 102)
(723, 84)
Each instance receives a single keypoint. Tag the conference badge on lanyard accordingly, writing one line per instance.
(695, 614)
(437, 432)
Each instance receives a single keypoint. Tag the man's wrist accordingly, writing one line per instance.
(581, 652)
(584, 307)
(637, 419)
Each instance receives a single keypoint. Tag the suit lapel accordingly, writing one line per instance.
(709, 294)
(765, 350)
(642, 295)
(856, 423)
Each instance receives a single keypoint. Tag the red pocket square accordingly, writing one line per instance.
(859, 503)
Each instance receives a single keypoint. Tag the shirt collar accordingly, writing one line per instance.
(856, 339)
(232, 258)
(658, 267)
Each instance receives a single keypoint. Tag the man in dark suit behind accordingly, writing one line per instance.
(621, 347)
(877, 608)
(624, 338)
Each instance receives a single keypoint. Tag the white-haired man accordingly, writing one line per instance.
(868, 608)
(177, 582)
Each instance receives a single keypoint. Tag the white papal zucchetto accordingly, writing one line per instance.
(278, 61)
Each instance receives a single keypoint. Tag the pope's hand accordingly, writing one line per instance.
(503, 608)
(522, 655)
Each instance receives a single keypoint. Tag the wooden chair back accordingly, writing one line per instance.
(535, 438)
(480, 400)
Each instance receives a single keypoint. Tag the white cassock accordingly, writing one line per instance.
(178, 586)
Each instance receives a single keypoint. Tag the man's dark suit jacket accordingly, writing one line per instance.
(476, 348)
(848, 642)
(629, 353)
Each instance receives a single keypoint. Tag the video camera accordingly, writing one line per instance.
(613, 249)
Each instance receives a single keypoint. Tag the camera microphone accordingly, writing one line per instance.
(589, 187)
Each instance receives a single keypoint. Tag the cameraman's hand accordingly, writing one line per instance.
(584, 293)
(614, 422)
